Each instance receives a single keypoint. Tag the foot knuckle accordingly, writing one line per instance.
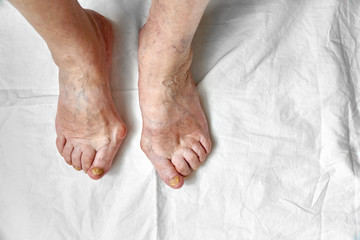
(143, 146)
(121, 132)
(194, 159)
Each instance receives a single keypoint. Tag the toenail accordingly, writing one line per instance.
(97, 171)
(196, 168)
(174, 181)
(77, 168)
(85, 172)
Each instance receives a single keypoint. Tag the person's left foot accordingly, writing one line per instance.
(175, 135)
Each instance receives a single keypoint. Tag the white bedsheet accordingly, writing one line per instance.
(279, 82)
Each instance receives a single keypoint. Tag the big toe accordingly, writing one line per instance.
(102, 162)
(168, 173)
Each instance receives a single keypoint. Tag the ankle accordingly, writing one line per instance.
(90, 43)
(160, 46)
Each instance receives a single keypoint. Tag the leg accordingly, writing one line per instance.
(175, 134)
(89, 130)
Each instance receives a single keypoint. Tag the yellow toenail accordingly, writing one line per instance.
(174, 181)
(97, 171)
(196, 168)
(77, 168)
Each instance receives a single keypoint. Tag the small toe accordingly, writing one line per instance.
(206, 143)
(68, 149)
(191, 158)
(76, 158)
(87, 158)
(60, 143)
(200, 151)
(168, 173)
(102, 162)
(181, 165)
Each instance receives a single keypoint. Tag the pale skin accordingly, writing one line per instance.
(175, 134)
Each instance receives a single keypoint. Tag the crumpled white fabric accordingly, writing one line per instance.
(279, 82)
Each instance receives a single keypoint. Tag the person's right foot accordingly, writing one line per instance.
(89, 129)
(175, 135)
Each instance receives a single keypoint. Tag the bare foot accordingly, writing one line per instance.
(89, 129)
(175, 134)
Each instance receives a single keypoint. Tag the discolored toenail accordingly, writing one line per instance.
(174, 181)
(97, 171)
(196, 168)
(77, 168)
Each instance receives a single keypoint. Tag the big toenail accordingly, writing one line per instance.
(174, 181)
(97, 171)
(77, 168)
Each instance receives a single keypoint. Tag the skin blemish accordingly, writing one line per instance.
(169, 83)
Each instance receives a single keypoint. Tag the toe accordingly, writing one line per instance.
(181, 165)
(102, 162)
(68, 149)
(206, 143)
(191, 158)
(167, 172)
(60, 143)
(200, 151)
(87, 158)
(75, 158)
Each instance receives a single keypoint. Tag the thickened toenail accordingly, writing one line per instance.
(77, 168)
(174, 181)
(97, 171)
